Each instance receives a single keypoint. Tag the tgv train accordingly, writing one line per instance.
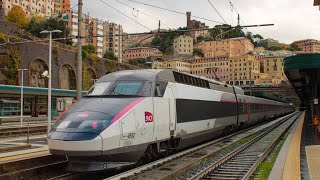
(129, 116)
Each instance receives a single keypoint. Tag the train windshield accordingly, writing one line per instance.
(126, 88)
(84, 121)
(99, 88)
(130, 88)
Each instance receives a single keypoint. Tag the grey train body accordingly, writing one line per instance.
(132, 115)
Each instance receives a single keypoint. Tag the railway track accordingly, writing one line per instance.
(241, 162)
(37, 167)
(204, 160)
(19, 131)
(225, 158)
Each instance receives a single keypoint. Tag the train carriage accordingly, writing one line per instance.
(129, 116)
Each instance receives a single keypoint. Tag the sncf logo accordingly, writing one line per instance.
(148, 117)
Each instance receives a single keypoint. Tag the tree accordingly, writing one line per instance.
(200, 39)
(257, 36)
(88, 49)
(225, 31)
(110, 55)
(294, 47)
(274, 48)
(141, 62)
(249, 36)
(164, 41)
(18, 16)
(37, 24)
(198, 52)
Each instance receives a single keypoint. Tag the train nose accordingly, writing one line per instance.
(75, 148)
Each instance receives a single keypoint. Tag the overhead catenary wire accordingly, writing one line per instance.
(174, 11)
(161, 32)
(139, 11)
(125, 15)
(232, 6)
(217, 11)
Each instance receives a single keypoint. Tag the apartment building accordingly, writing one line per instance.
(212, 68)
(105, 36)
(42, 8)
(267, 43)
(273, 65)
(226, 48)
(308, 45)
(183, 45)
(115, 40)
(72, 21)
(141, 52)
(178, 65)
(61, 6)
(244, 70)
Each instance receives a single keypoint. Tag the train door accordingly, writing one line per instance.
(161, 118)
(172, 111)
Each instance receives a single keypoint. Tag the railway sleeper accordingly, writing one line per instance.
(228, 172)
(225, 175)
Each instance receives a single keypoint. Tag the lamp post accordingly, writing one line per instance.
(21, 103)
(49, 75)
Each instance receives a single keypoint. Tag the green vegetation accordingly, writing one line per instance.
(222, 29)
(87, 50)
(37, 24)
(274, 48)
(294, 47)
(265, 167)
(165, 40)
(18, 16)
(110, 55)
(198, 52)
(3, 38)
(200, 39)
(11, 63)
(141, 62)
(225, 31)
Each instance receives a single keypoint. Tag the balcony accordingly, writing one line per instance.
(74, 26)
(100, 33)
(99, 27)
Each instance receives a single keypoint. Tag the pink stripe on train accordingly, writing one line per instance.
(126, 109)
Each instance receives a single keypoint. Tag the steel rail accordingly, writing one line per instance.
(140, 170)
(243, 147)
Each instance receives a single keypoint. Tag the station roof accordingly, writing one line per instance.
(303, 61)
(302, 71)
(8, 89)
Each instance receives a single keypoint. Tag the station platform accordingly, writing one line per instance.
(299, 157)
(13, 149)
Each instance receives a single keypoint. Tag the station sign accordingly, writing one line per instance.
(63, 103)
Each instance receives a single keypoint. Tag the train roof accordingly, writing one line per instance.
(169, 75)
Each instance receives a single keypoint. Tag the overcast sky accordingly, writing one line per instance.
(293, 19)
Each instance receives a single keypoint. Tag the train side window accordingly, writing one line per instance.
(158, 93)
(189, 80)
(183, 81)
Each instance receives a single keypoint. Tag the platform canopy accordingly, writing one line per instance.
(303, 72)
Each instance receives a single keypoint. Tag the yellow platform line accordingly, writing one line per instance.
(313, 158)
(23, 156)
(291, 169)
